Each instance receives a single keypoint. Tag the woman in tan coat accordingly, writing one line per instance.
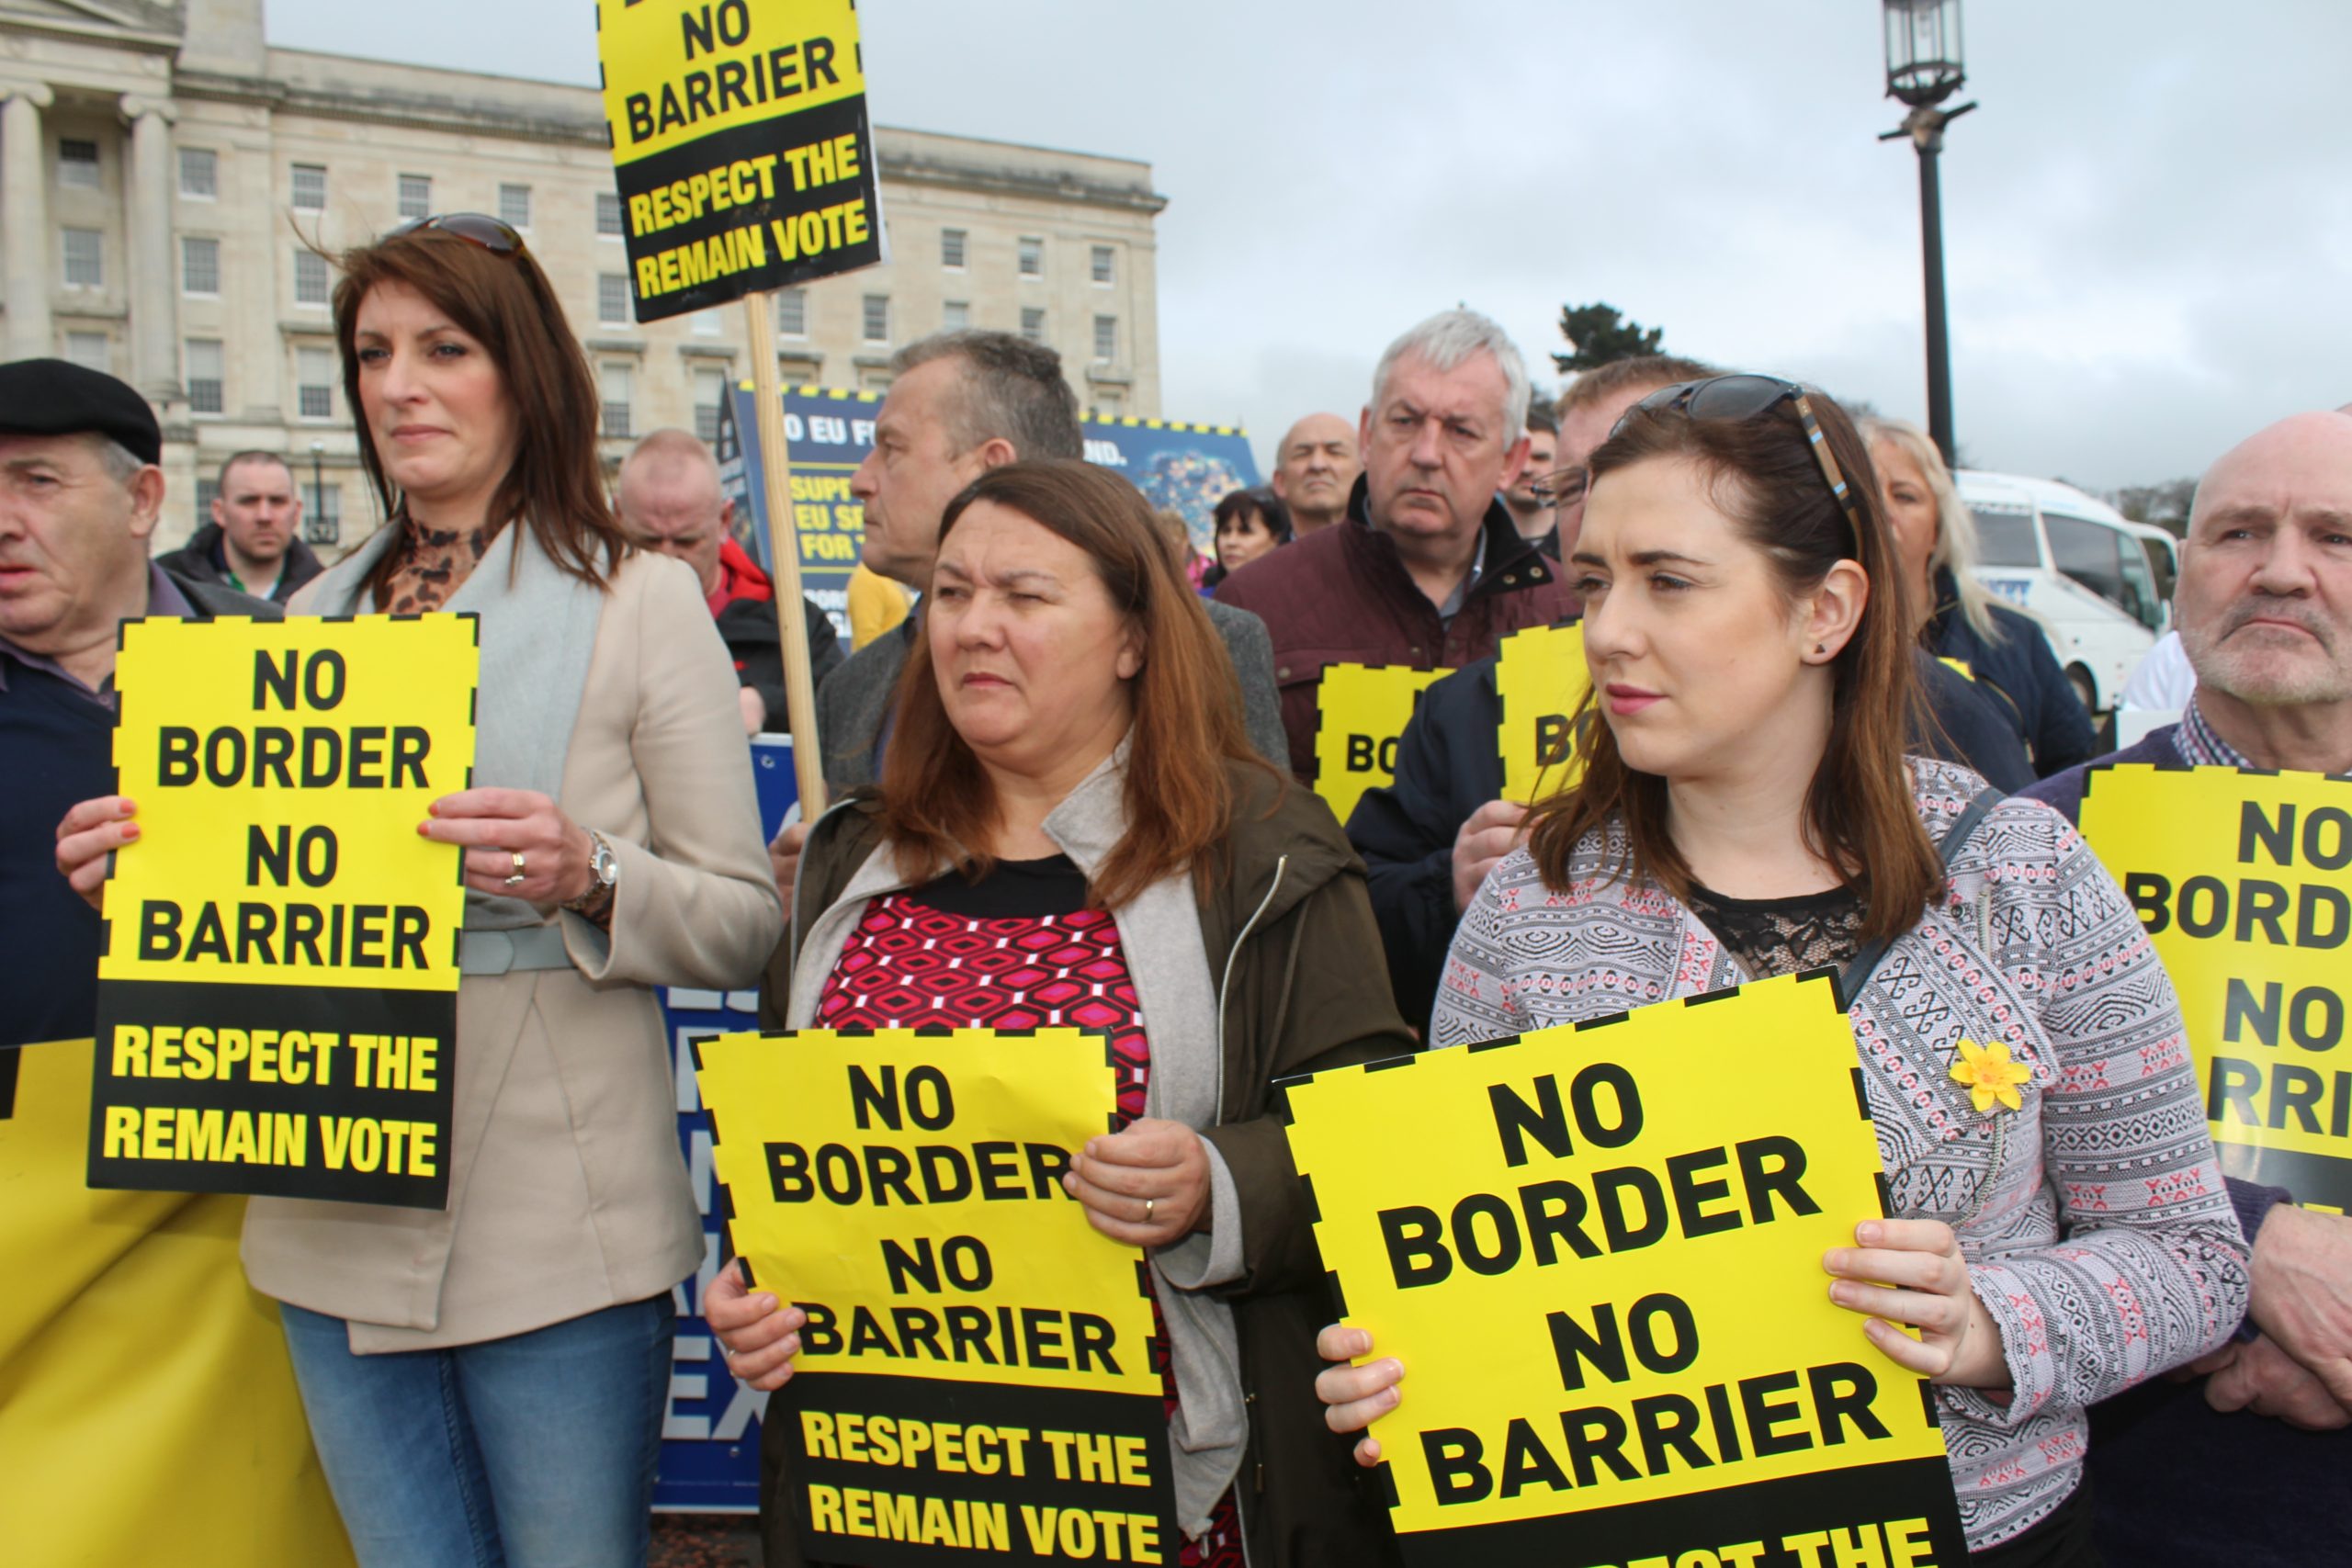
(486, 1382)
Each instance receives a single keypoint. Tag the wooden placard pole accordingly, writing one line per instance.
(784, 556)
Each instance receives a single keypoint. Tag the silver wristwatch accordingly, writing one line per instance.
(604, 866)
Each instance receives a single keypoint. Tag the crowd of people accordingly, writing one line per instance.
(1818, 744)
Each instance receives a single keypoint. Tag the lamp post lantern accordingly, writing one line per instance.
(318, 528)
(1924, 68)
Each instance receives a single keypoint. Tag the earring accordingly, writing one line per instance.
(1820, 647)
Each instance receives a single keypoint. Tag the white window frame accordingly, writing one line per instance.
(307, 409)
(1030, 248)
(409, 210)
(510, 197)
(962, 239)
(308, 264)
(1103, 266)
(956, 316)
(94, 163)
(608, 203)
(190, 348)
(623, 428)
(208, 160)
(187, 283)
(295, 180)
(77, 347)
(613, 300)
(867, 311)
(98, 257)
(797, 325)
(1033, 323)
(1101, 324)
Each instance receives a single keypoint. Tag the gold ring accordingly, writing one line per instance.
(1147, 1210)
(516, 879)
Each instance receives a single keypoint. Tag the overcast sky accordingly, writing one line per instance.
(2148, 223)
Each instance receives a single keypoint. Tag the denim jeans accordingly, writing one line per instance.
(533, 1451)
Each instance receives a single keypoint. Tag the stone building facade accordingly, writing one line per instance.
(168, 180)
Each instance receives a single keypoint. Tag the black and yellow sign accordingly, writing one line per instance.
(978, 1378)
(1361, 710)
(2244, 882)
(278, 980)
(1542, 683)
(740, 144)
(1602, 1266)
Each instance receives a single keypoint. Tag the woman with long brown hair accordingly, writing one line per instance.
(486, 1384)
(1748, 810)
(1069, 757)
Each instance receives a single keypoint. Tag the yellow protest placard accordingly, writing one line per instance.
(740, 144)
(1544, 687)
(1602, 1264)
(978, 1370)
(279, 974)
(1361, 709)
(2244, 882)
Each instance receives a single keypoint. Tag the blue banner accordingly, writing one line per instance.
(711, 1429)
(1187, 468)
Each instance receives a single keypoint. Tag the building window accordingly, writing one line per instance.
(951, 249)
(955, 315)
(1033, 323)
(1033, 258)
(416, 195)
(91, 351)
(204, 394)
(612, 299)
(314, 383)
(77, 164)
(1106, 339)
(85, 258)
(1105, 264)
(878, 318)
(206, 493)
(792, 312)
(199, 265)
(310, 187)
(614, 379)
(710, 392)
(310, 276)
(608, 213)
(514, 206)
(200, 173)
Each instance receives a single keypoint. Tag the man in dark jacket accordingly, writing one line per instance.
(2265, 609)
(80, 495)
(253, 542)
(1429, 570)
(669, 499)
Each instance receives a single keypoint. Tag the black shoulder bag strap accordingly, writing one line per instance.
(1857, 973)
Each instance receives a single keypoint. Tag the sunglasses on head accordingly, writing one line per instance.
(1735, 397)
(492, 234)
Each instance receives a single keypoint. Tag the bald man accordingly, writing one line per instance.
(1315, 468)
(670, 501)
(2264, 605)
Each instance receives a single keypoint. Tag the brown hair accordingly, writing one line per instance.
(1644, 371)
(1859, 815)
(504, 303)
(937, 801)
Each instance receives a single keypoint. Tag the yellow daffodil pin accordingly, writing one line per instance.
(1990, 1074)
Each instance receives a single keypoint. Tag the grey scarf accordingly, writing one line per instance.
(537, 627)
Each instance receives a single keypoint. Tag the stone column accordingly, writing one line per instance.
(154, 299)
(25, 246)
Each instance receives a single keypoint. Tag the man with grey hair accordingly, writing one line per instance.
(672, 502)
(1429, 568)
(2265, 610)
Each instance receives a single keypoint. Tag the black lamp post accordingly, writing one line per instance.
(1923, 69)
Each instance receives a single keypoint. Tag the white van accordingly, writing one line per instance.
(2076, 566)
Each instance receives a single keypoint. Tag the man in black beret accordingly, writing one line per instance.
(80, 492)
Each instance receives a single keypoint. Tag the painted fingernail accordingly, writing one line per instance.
(131, 829)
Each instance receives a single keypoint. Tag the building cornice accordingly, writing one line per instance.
(1045, 185)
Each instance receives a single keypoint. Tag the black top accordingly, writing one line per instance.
(1785, 936)
(1013, 890)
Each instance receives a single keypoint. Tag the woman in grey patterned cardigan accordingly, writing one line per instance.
(1748, 811)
